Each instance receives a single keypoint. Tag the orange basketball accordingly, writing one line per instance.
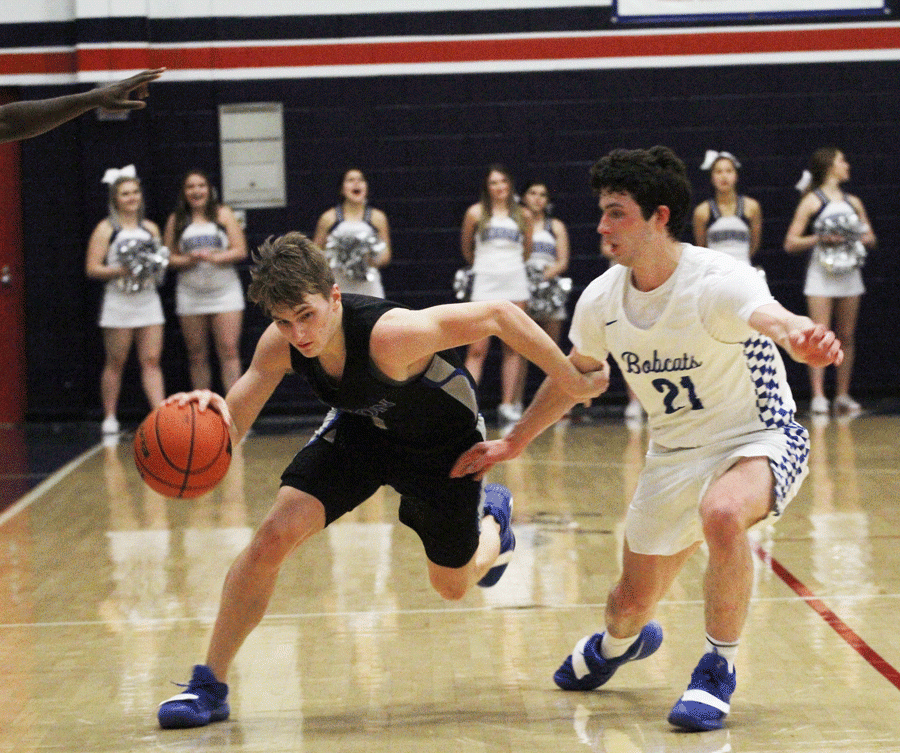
(181, 451)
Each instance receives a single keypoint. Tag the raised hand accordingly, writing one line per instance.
(117, 97)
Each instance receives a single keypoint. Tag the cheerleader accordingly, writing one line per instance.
(207, 242)
(131, 312)
(496, 240)
(352, 216)
(830, 296)
(729, 222)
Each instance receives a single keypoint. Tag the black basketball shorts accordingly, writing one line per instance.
(348, 459)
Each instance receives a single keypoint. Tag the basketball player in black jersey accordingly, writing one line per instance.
(403, 410)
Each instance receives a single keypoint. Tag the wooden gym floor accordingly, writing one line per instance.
(108, 592)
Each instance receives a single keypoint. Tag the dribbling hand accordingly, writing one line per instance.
(204, 399)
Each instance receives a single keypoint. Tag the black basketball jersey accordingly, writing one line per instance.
(438, 405)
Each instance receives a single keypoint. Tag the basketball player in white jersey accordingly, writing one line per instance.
(694, 332)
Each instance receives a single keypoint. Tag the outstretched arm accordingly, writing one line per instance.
(403, 341)
(803, 339)
(550, 403)
(22, 120)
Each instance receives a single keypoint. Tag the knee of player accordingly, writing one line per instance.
(273, 542)
(723, 522)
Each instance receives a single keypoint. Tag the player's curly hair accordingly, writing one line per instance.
(287, 269)
(653, 177)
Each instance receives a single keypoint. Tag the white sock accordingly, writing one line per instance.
(611, 647)
(726, 650)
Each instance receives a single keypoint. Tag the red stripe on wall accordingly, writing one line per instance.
(472, 50)
(24, 63)
(461, 50)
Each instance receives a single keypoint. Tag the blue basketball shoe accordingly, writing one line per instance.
(203, 701)
(705, 703)
(498, 503)
(586, 669)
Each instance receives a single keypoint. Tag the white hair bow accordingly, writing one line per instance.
(804, 182)
(113, 174)
(711, 156)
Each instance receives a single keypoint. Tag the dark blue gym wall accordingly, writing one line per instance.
(424, 142)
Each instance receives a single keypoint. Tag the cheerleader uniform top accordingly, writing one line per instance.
(729, 234)
(344, 227)
(543, 243)
(543, 253)
(499, 265)
(207, 288)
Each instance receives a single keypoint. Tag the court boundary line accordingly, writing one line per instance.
(46, 485)
(848, 634)
(284, 617)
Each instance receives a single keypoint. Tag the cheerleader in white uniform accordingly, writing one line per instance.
(354, 217)
(496, 241)
(830, 296)
(549, 252)
(206, 242)
(728, 222)
(549, 247)
(128, 315)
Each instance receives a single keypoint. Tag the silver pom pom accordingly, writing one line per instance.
(354, 254)
(839, 249)
(547, 296)
(462, 283)
(145, 261)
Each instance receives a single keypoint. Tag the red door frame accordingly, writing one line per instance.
(12, 282)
